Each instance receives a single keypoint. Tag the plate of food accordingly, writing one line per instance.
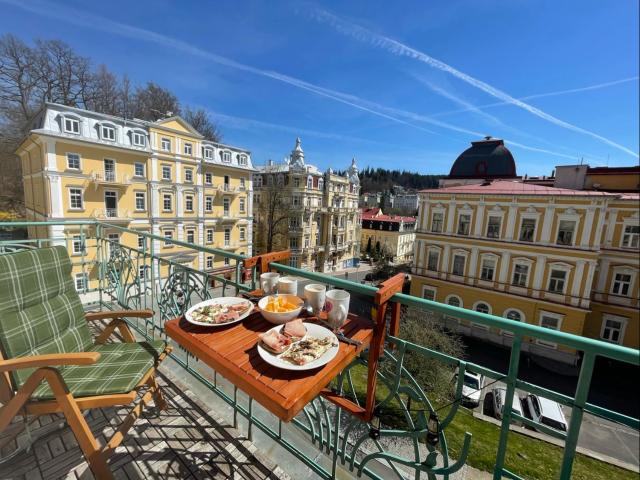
(217, 312)
(298, 346)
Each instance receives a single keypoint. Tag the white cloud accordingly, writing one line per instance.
(397, 48)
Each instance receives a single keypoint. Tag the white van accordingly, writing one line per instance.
(547, 412)
(499, 397)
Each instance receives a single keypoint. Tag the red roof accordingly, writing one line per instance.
(370, 211)
(387, 218)
(516, 188)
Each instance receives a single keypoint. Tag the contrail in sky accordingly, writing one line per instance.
(397, 48)
(96, 22)
(542, 95)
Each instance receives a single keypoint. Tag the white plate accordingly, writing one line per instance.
(313, 330)
(218, 301)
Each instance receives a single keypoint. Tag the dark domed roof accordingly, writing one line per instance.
(488, 158)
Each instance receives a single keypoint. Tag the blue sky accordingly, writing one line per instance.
(395, 84)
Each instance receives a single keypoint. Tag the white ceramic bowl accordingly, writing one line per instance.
(284, 317)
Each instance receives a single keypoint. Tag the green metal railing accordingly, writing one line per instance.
(170, 288)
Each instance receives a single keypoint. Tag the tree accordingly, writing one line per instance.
(271, 218)
(153, 102)
(104, 93)
(200, 120)
(368, 250)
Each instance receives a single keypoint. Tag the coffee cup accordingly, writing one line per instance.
(337, 307)
(315, 295)
(288, 285)
(269, 282)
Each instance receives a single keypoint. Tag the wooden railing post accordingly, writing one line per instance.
(387, 289)
(263, 261)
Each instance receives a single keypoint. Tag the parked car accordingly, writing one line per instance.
(471, 388)
(499, 398)
(547, 412)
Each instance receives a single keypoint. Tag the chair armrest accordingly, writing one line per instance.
(92, 316)
(50, 360)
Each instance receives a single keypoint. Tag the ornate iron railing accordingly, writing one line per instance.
(144, 278)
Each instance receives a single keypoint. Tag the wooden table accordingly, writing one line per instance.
(232, 352)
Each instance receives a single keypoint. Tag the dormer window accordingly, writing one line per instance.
(138, 139)
(207, 153)
(242, 159)
(71, 125)
(226, 157)
(107, 133)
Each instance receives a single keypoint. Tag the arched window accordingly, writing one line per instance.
(514, 315)
(482, 307)
(321, 184)
(309, 183)
(454, 301)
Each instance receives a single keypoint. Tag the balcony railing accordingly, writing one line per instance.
(112, 214)
(336, 441)
(110, 178)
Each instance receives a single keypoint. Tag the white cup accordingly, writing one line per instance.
(315, 295)
(337, 306)
(269, 282)
(288, 285)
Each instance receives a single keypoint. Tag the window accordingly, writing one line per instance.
(225, 206)
(142, 272)
(551, 321)
(166, 202)
(458, 265)
(207, 153)
(310, 183)
(81, 282)
(296, 183)
(227, 237)
(242, 203)
(78, 245)
(482, 307)
(138, 139)
(513, 315)
(429, 293)
(75, 198)
(113, 243)
(188, 149)
(621, 284)
(557, 281)
(488, 269)
(188, 203)
(208, 178)
(432, 260)
(464, 224)
(140, 201)
(209, 263)
(166, 172)
(168, 236)
(613, 328)
(243, 183)
(209, 235)
(188, 175)
(138, 169)
(520, 275)
(293, 242)
(320, 184)
(72, 125)
(565, 232)
(631, 236)
(73, 161)
(142, 242)
(243, 234)
(493, 227)
(527, 229)
(107, 133)
(436, 222)
(242, 160)
(226, 261)
(208, 204)
(454, 301)
(226, 157)
(191, 236)
(165, 144)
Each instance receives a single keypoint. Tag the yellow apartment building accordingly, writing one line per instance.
(392, 234)
(156, 177)
(562, 258)
(323, 231)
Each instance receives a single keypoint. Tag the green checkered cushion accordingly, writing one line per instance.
(119, 370)
(40, 311)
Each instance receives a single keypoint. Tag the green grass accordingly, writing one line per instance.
(526, 456)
